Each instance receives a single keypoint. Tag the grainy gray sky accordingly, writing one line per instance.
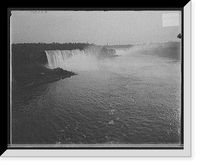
(98, 27)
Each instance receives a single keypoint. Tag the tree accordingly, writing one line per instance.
(179, 36)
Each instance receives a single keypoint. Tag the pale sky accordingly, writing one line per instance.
(98, 27)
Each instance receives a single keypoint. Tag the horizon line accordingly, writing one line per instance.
(94, 43)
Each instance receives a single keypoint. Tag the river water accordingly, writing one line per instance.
(131, 99)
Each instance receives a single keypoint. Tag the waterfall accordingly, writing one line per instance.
(78, 59)
(56, 58)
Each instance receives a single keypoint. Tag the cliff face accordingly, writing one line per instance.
(28, 67)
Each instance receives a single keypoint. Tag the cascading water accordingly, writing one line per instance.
(57, 57)
(99, 57)
(76, 60)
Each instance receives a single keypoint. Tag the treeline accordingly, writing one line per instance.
(119, 46)
(50, 46)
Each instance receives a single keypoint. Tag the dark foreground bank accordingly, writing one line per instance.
(29, 63)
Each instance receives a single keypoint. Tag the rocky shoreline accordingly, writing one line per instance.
(51, 76)
(47, 76)
(29, 65)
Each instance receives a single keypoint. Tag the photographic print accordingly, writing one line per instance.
(96, 79)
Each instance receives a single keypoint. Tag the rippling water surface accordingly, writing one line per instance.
(127, 100)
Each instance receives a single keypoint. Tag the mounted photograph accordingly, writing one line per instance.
(96, 79)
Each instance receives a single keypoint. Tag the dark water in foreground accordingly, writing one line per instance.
(127, 100)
